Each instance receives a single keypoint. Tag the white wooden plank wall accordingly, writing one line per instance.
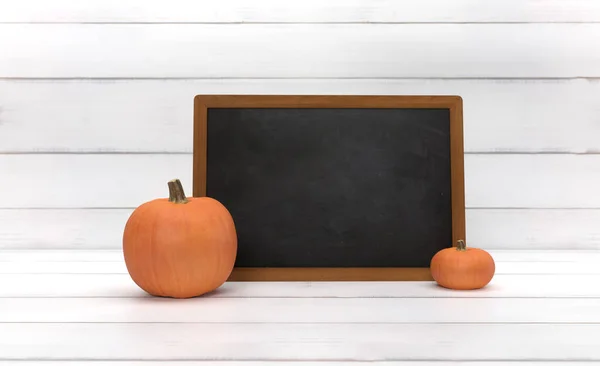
(96, 101)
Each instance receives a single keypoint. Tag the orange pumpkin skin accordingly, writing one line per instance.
(462, 269)
(180, 250)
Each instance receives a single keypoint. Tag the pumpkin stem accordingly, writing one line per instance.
(176, 193)
(461, 246)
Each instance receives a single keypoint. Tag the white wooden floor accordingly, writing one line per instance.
(60, 307)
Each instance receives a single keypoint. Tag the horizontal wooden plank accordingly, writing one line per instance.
(526, 181)
(534, 229)
(73, 229)
(240, 11)
(30, 256)
(65, 255)
(84, 115)
(70, 267)
(121, 285)
(126, 181)
(320, 342)
(117, 266)
(298, 310)
(567, 268)
(297, 50)
(90, 180)
(486, 228)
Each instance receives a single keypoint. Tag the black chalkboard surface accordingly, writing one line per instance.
(333, 187)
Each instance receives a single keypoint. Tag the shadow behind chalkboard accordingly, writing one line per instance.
(333, 187)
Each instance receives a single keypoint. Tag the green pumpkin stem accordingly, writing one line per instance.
(461, 246)
(176, 193)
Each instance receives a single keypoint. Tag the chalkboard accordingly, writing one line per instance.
(333, 188)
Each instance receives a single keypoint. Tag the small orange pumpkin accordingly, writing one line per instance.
(180, 247)
(462, 268)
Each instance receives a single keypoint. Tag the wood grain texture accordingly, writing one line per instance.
(200, 150)
(300, 310)
(320, 342)
(121, 285)
(528, 115)
(299, 51)
(457, 171)
(126, 181)
(327, 101)
(240, 11)
(286, 274)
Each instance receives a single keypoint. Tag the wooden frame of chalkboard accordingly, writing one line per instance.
(202, 103)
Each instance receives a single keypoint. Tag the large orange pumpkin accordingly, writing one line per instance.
(180, 247)
(462, 268)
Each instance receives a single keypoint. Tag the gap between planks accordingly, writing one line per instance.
(81, 362)
(285, 363)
